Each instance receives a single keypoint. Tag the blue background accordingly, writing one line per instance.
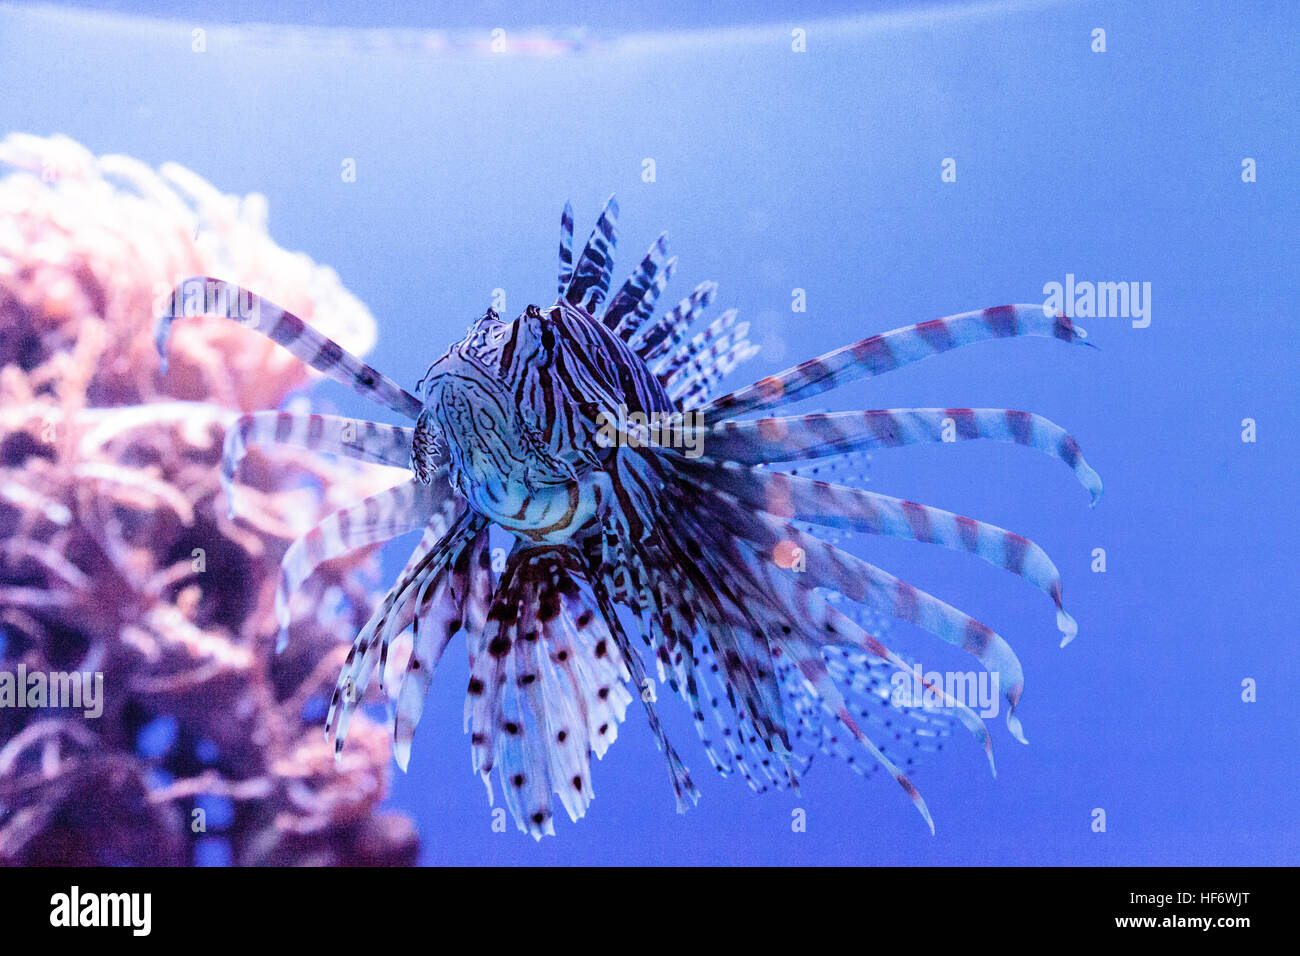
(821, 171)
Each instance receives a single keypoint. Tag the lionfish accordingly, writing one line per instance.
(611, 538)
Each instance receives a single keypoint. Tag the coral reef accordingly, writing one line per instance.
(117, 555)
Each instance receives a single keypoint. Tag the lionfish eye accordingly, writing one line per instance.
(548, 339)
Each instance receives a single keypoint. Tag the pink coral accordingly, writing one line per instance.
(118, 556)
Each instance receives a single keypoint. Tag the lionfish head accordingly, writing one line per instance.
(492, 440)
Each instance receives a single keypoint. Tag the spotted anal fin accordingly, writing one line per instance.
(547, 687)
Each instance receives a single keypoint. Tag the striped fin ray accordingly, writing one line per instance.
(381, 517)
(806, 658)
(746, 747)
(591, 276)
(333, 434)
(696, 389)
(441, 610)
(669, 363)
(796, 438)
(715, 684)
(394, 614)
(834, 631)
(739, 631)
(660, 337)
(667, 602)
(812, 667)
(633, 321)
(890, 350)
(866, 686)
(791, 497)
(798, 608)
(684, 789)
(705, 370)
(475, 581)
(831, 567)
(217, 297)
(739, 620)
(437, 620)
(632, 295)
(680, 604)
(566, 247)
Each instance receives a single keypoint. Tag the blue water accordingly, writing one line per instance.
(820, 170)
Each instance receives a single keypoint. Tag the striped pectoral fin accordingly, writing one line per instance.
(851, 634)
(447, 511)
(802, 437)
(436, 622)
(381, 517)
(332, 434)
(753, 612)
(890, 350)
(605, 619)
(919, 725)
(394, 613)
(868, 584)
(813, 668)
(203, 295)
(827, 627)
(830, 567)
(791, 497)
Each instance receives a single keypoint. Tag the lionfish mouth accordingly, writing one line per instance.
(759, 625)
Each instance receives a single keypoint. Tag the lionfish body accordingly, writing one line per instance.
(513, 429)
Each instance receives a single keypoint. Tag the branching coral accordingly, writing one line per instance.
(116, 552)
